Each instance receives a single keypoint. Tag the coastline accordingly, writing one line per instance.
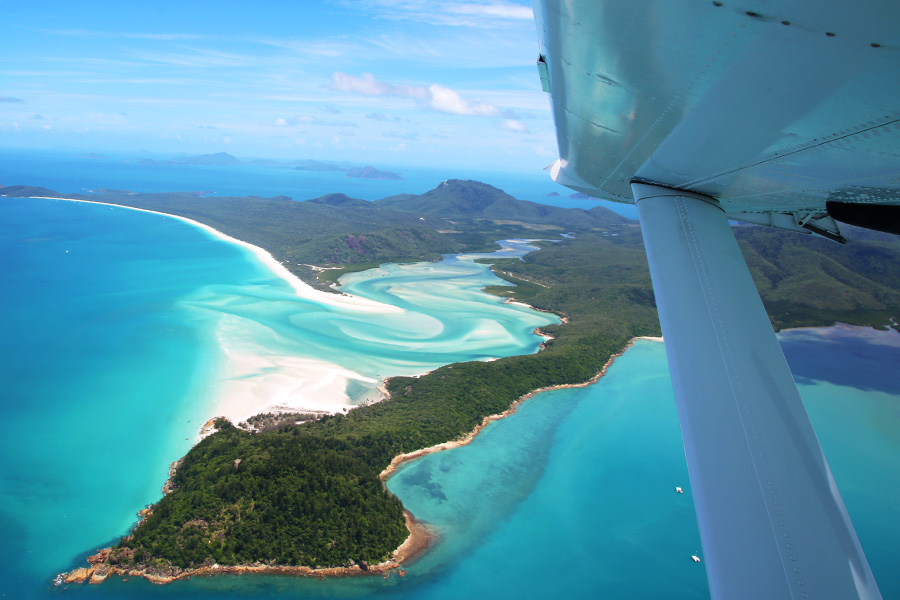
(251, 383)
(103, 563)
(303, 289)
(420, 538)
(400, 459)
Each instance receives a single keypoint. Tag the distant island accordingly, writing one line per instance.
(223, 159)
(372, 173)
(317, 165)
(596, 278)
(205, 160)
(110, 191)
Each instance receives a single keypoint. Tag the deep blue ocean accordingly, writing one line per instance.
(111, 364)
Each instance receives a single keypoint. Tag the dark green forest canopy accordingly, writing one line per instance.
(310, 494)
(246, 513)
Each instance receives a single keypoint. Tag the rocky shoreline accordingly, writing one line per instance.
(104, 563)
(467, 439)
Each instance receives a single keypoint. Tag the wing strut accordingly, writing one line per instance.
(772, 521)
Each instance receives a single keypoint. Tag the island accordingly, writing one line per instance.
(204, 160)
(318, 165)
(369, 172)
(305, 495)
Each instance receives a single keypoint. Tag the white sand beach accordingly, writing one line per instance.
(256, 382)
(303, 289)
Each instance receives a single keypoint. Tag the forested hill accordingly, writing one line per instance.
(28, 191)
(458, 199)
(807, 281)
(336, 230)
(803, 280)
(311, 494)
(332, 230)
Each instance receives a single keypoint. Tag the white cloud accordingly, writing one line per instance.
(482, 14)
(502, 10)
(543, 152)
(435, 97)
(446, 100)
(514, 125)
(195, 58)
(367, 85)
(293, 121)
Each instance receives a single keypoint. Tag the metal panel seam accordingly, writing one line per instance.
(733, 374)
(709, 178)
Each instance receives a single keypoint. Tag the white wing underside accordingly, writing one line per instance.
(753, 104)
(700, 111)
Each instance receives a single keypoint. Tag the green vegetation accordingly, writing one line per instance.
(28, 191)
(457, 199)
(309, 493)
(287, 498)
(334, 230)
(806, 281)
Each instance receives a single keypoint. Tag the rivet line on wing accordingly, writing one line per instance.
(744, 407)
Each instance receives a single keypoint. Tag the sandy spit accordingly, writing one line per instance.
(303, 289)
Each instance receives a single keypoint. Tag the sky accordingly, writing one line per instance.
(400, 82)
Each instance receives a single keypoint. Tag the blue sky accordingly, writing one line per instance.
(397, 82)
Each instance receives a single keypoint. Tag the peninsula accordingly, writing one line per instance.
(308, 498)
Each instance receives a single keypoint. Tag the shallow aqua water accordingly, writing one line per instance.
(583, 480)
(104, 375)
(114, 326)
(571, 496)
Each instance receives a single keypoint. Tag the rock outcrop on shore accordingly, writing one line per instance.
(108, 561)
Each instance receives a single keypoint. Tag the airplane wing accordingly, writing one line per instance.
(780, 113)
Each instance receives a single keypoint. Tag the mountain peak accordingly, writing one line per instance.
(466, 199)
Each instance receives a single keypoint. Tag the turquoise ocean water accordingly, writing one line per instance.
(109, 364)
